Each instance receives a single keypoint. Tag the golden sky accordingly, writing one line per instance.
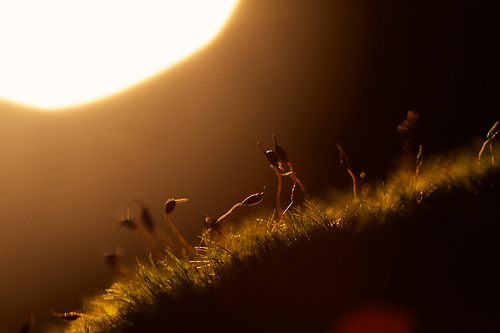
(311, 72)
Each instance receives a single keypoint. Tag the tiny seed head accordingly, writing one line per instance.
(271, 157)
(343, 157)
(146, 220)
(253, 199)
(128, 224)
(171, 203)
(280, 151)
(69, 316)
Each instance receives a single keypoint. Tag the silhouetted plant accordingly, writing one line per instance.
(170, 205)
(407, 126)
(276, 158)
(349, 249)
(126, 220)
(275, 163)
(418, 164)
(159, 235)
(345, 162)
(112, 258)
(145, 218)
(251, 200)
(146, 239)
(283, 156)
(210, 223)
(364, 187)
(490, 137)
(406, 167)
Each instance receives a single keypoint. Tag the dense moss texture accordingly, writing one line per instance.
(416, 258)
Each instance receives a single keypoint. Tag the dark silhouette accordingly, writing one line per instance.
(427, 267)
(30, 322)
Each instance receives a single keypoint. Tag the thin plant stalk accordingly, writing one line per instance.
(291, 198)
(251, 200)
(179, 236)
(275, 163)
(283, 156)
(148, 242)
(278, 194)
(297, 180)
(353, 183)
(345, 162)
(159, 235)
(481, 152)
(170, 205)
(239, 204)
(483, 147)
(364, 187)
(419, 163)
(492, 156)
(166, 240)
(489, 140)
(214, 224)
(145, 238)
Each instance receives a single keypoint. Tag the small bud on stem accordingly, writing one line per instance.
(280, 151)
(272, 158)
(169, 208)
(345, 162)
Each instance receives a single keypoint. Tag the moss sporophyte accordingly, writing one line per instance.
(391, 246)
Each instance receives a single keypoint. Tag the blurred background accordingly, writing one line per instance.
(311, 72)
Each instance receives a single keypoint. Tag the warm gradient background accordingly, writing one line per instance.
(311, 72)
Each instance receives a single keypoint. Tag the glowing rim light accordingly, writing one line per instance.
(55, 53)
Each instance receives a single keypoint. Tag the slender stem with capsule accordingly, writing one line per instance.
(179, 236)
(239, 204)
(291, 198)
(274, 161)
(169, 208)
(145, 237)
(345, 162)
(251, 200)
(490, 137)
(278, 194)
(297, 180)
(419, 163)
(283, 156)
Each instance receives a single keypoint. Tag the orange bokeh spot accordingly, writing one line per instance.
(376, 318)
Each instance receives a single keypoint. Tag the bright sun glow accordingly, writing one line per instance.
(56, 53)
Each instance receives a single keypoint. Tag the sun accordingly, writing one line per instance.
(57, 53)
